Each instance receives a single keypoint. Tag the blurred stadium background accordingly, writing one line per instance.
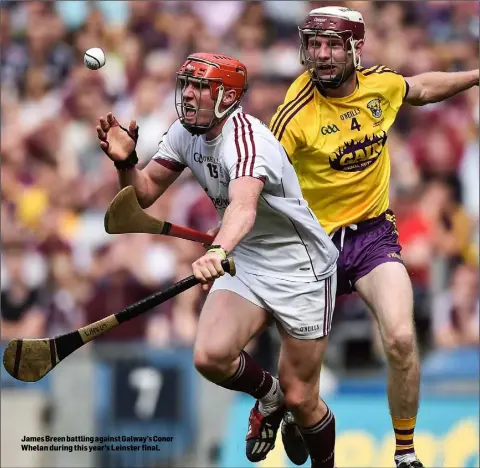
(60, 270)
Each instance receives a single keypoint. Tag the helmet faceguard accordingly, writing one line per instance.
(218, 73)
(337, 24)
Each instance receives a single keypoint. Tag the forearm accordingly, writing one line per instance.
(237, 222)
(146, 190)
(438, 86)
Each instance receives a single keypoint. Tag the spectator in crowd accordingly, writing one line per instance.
(65, 290)
(455, 313)
(451, 226)
(22, 315)
(120, 276)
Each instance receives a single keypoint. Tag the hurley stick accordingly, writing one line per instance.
(125, 215)
(31, 359)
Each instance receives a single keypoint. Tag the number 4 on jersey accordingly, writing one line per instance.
(355, 125)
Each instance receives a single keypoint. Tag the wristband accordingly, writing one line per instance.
(128, 163)
(218, 249)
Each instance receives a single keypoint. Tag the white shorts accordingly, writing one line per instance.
(303, 309)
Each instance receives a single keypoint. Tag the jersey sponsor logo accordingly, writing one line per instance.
(219, 203)
(199, 158)
(329, 129)
(355, 156)
(350, 114)
(375, 107)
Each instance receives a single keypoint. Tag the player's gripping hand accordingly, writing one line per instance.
(209, 267)
(116, 141)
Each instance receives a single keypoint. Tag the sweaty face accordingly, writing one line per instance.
(196, 105)
(328, 59)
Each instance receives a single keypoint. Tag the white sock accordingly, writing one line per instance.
(408, 457)
(272, 400)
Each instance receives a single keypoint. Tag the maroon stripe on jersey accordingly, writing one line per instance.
(330, 308)
(371, 70)
(292, 115)
(252, 141)
(239, 154)
(172, 165)
(244, 139)
(325, 309)
(283, 113)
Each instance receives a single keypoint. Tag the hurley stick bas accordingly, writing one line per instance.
(125, 215)
(30, 360)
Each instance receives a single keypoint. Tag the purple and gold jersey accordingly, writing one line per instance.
(338, 146)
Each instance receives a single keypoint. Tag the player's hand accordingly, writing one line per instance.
(208, 268)
(117, 142)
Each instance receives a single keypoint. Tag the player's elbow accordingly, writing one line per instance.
(419, 93)
(421, 99)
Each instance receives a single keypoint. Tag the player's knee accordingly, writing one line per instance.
(211, 360)
(400, 346)
(301, 399)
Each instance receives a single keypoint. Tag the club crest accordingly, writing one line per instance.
(375, 107)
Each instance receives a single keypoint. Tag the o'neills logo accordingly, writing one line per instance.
(95, 330)
(309, 328)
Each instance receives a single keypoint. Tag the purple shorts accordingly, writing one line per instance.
(375, 241)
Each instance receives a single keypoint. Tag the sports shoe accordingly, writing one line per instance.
(410, 461)
(292, 439)
(262, 432)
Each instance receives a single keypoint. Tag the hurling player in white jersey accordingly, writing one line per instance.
(285, 262)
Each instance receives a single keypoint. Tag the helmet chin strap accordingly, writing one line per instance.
(356, 57)
(219, 115)
(196, 130)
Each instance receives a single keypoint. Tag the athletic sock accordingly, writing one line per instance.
(272, 400)
(320, 441)
(404, 429)
(249, 378)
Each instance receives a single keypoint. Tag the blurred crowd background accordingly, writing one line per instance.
(59, 268)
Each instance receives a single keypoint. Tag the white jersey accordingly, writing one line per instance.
(286, 240)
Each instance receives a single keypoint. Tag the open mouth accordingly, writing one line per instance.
(326, 69)
(190, 111)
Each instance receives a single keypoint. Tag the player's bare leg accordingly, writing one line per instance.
(388, 292)
(299, 372)
(227, 324)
